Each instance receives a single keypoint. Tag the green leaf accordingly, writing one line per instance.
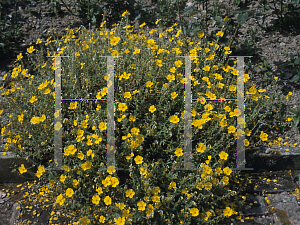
(293, 111)
(188, 9)
(194, 13)
(138, 17)
(296, 120)
(36, 14)
(295, 78)
(297, 61)
(242, 18)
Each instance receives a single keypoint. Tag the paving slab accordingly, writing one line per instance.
(286, 208)
(255, 206)
(275, 158)
(296, 176)
(7, 175)
(275, 182)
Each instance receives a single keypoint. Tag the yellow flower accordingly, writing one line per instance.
(172, 70)
(47, 91)
(131, 155)
(19, 57)
(178, 152)
(38, 41)
(206, 68)
(14, 74)
(102, 219)
(220, 33)
(227, 171)
(40, 171)
(194, 211)
(231, 129)
(99, 190)
(263, 136)
(96, 199)
(122, 106)
(85, 221)
(223, 123)
(85, 47)
(201, 34)
(73, 105)
(143, 24)
(82, 64)
(174, 119)
(69, 192)
(114, 181)
(119, 221)
(60, 199)
(20, 118)
(152, 109)
(149, 84)
(87, 165)
(62, 178)
(127, 95)
(31, 49)
(155, 198)
(232, 87)
(246, 142)
(136, 51)
(228, 211)
(201, 148)
(107, 181)
(178, 32)
(107, 200)
(102, 126)
(170, 77)
(125, 75)
(130, 193)
(102, 24)
(22, 169)
(208, 186)
(75, 182)
(174, 95)
(141, 205)
(35, 120)
(124, 13)
(138, 159)
(135, 131)
(114, 40)
(178, 63)
(157, 21)
(223, 155)
(173, 185)
(159, 62)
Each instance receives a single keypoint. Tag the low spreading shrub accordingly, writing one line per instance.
(149, 125)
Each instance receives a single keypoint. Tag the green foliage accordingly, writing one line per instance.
(56, 5)
(92, 11)
(294, 65)
(296, 116)
(147, 127)
(139, 131)
(9, 23)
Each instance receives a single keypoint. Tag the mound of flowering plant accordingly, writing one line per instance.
(149, 94)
